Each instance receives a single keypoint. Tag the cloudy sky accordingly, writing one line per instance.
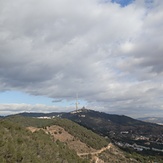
(109, 52)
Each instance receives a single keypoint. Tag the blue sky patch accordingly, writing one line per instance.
(123, 3)
(20, 97)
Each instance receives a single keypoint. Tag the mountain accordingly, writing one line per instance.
(129, 134)
(25, 139)
(104, 123)
(31, 114)
(126, 132)
(157, 120)
(28, 139)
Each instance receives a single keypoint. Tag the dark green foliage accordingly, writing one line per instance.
(20, 145)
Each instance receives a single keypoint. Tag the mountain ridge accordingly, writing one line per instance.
(127, 133)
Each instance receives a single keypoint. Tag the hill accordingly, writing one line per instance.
(27, 139)
(17, 144)
(83, 134)
(128, 133)
(32, 114)
(1, 117)
(157, 120)
(105, 123)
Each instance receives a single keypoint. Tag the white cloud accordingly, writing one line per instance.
(57, 48)
(7, 109)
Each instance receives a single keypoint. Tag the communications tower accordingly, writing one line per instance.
(76, 102)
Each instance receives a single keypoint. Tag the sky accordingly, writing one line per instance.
(109, 52)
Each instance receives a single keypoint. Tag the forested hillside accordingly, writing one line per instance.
(57, 140)
(83, 134)
(17, 144)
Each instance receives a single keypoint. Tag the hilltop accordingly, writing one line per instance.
(118, 132)
(127, 133)
(104, 123)
(26, 139)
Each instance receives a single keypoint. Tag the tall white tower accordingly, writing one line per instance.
(76, 102)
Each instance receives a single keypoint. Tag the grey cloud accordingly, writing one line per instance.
(57, 100)
(147, 45)
(57, 48)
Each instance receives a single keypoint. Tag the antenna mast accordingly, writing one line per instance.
(76, 102)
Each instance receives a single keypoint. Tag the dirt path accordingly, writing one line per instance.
(96, 152)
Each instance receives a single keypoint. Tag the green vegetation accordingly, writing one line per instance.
(20, 145)
(86, 136)
(27, 121)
